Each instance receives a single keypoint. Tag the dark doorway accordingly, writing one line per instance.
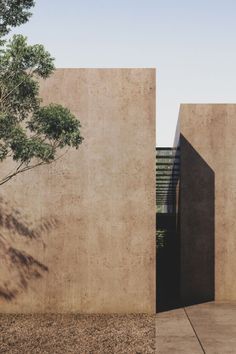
(167, 228)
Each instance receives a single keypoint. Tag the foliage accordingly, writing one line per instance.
(160, 238)
(13, 13)
(30, 134)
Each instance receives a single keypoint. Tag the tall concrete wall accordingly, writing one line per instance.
(208, 202)
(79, 235)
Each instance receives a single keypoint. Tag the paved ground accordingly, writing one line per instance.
(207, 328)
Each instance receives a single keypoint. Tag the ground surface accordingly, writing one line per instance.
(207, 328)
(85, 334)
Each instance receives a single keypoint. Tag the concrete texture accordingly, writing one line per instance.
(206, 328)
(208, 202)
(79, 235)
(174, 334)
(77, 334)
(215, 325)
(197, 235)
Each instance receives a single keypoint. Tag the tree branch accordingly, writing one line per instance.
(30, 74)
(28, 167)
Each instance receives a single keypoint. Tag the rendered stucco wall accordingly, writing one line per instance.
(79, 235)
(208, 202)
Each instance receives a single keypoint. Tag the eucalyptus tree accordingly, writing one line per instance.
(31, 134)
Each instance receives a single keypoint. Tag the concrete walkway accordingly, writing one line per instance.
(207, 328)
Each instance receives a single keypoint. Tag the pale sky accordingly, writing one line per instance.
(192, 44)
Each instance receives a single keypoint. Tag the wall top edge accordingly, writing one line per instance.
(207, 104)
(115, 68)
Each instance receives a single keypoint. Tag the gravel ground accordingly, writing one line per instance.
(85, 334)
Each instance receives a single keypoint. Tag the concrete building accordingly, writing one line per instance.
(208, 202)
(79, 235)
(197, 262)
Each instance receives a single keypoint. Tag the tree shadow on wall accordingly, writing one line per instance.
(186, 260)
(18, 267)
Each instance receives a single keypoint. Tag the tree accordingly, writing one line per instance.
(13, 13)
(30, 134)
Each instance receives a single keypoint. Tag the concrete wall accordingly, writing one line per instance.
(208, 202)
(79, 235)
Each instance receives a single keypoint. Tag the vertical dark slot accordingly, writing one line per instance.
(167, 228)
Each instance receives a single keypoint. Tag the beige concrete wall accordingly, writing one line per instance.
(208, 132)
(79, 235)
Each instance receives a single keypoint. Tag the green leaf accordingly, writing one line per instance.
(29, 134)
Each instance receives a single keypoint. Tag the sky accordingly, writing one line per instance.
(192, 44)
